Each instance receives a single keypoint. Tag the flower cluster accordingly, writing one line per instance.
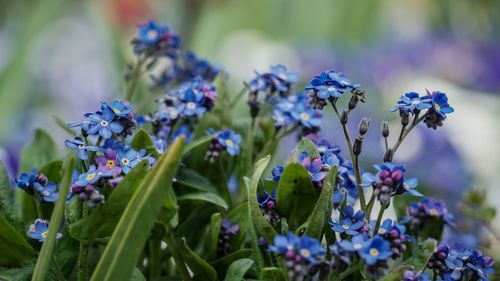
(37, 185)
(227, 140)
(452, 264)
(154, 39)
(396, 235)
(267, 206)
(39, 230)
(390, 181)
(226, 230)
(419, 213)
(107, 163)
(328, 85)
(351, 223)
(410, 275)
(300, 253)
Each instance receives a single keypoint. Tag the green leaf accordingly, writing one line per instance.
(197, 142)
(397, 274)
(213, 235)
(260, 222)
(137, 275)
(201, 269)
(238, 269)
(433, 228)
(422, 254)
(204, 196)
(322, 210)
(46, 253)
(63, 125)
(8, 206)
(142, 140)
(195, 180)
(40, 151)
(53, 171)
(296, 196)
(103, 220)
(240, 215)
(223, 263)
(489, 214)
(273, 274)
(15, 249)
(304, 145)
(127, 242)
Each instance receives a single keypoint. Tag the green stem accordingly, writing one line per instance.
(379, 218)
(179, 261)
(84, 251)
(136, 74)
(154, 258)
(60, 276)
(369, 206)
(233, 103)
(250, 144)
(347, 272)
(404, 133)
(357, 172)
(225, 188)
(39, 211)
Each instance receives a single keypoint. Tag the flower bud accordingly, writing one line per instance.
(344, 117)
(358, 145)
(363, 126)
(388, 155)
(385, 129)
(352, 103)
(405, 118)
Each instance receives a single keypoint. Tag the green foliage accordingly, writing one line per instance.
(238, 269)
(46, 253)
(213, 235)
(296, 195)
(304, 145)
(201, 269)
(273, 274)
(8, 205)
(130, 234)
(206, 197)
(15, 249)
(142, 140)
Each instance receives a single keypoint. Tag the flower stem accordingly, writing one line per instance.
(404, 133)
(354, 159)
(233, 103)
(379, 218)
(369, 206)
(250, 144)
(136, 74)
(179, 261)
(84, 251)
(60, 276)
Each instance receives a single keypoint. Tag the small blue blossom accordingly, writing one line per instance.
(92, 176)
(129, 158)
(409, 275)
(374, 250)
(440, 103)
(230, 140)
(409, 185)
(418, 213)
(277, 171)
(47, 191)
(267, 199)
(155, 39)
(313, 166)
(191, 103)
(412, 102)
(25, 181)
(295, 109)
(350, 223)
(40, 230)
(355, 245)
(81, 147)
(119, 108)
(278, 79)
(303, 249)
(326, 85)
(101, 123)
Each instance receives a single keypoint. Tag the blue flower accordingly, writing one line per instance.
(151, 32)
(355, 245)
(81, 147)
(277, 171)
(412, 103)
(418, 213)
(47, 191)
(313, 167)
(374, 250)
(409, 186)
(129, 158)
(267, 199)
(440, 103)
(409, 275)
(101, 123)
(307, 117)
(119, 108)
(230, 140)
(191, 103)
(350, 223)
(302, 248)
(40, 230)
(278, 79)
(25, 181)
(92, 176)
(329, 84)
(155, 39)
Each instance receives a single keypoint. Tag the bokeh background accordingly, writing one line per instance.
(61, 58)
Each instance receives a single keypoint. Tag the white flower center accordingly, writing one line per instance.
(191, 105)
(104, 123)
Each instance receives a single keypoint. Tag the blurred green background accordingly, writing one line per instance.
(61, 58)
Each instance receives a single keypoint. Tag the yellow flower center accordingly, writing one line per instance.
(45, 234)
(116, 110)
(406, 186)
(374, 252)
(437, 106)
(304, 116)
(433, 212)
(90, 176)
(229, 143)
(305, 252)
(152, 34)
(381, 231)
(110, 163)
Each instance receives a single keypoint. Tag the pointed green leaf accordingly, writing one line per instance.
(261, 224)
(201, 269)
(221, 265)
(306, 145)
(15, 249)
(273, 274)
(127, 242)
(422, 255)
(103, 220)
(213, 235)
(8, 205)
(239, 215)
(197, 142)
(46, 253)
(195, 180)
(296, 196)
(53, 171)
(322, 211)
(204, 196)
(397, 274)
(238, 269)
(142, 140)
